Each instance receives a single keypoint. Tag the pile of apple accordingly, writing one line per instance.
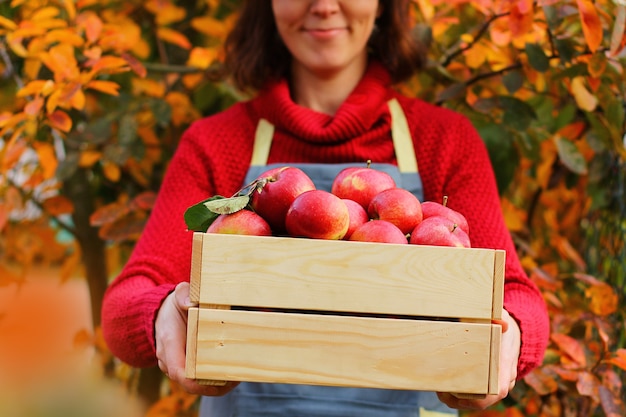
(364, 204)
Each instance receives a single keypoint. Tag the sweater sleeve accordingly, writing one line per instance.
(453, 161)
(211, 158)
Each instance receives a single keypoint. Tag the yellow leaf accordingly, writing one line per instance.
(7, 23)
(70, 8)
(475, 56)
(592, 26)
(182, 108)
(64, 36)
(45, 13)
(149, 87)
(107, 87)
(201, 57)
(173, 37)
(514, 217)
(210, 26)
(584, 99)
(60, 120)
(88, 158)
(32, 88)
(61, 61)
(602, 299)
(618, 36)
(165, 12)
(111, 171)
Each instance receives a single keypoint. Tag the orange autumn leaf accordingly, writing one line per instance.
(567, 251)
(88, 158)
(12, 151)
(541, 382)
(109, 62)
(92, 25)
(135, 65)
(107, 87)
(602, 299)
(60, 120)
(592, 26)
(619, 359)
(111, 171)
(573, 348)
(58, 205)
(174, 37)
(34, 106)
(108, 214)
(47, 158)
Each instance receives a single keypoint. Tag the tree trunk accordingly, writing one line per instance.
(78, 190)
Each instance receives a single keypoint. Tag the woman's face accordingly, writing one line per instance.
(326, 36)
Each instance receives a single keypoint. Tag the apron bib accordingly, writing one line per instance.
(252, 399)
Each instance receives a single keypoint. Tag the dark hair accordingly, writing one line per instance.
(255, 54)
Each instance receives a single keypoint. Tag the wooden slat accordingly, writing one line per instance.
(343, 351)
(346, 276)
(498, 284)
(496, 342)
(196, 268)
(192, 342)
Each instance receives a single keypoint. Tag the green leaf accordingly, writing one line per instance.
(502, 153)
(198, 217)
(228, 205)
(537, 58)
(513, 81)
(571, 156)
(517, 114)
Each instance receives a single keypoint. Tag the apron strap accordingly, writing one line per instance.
(402, 142)
(400, 134)
(262, 143)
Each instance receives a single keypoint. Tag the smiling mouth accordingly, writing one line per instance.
(325, 33)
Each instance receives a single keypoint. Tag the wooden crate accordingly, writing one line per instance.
(345, 314)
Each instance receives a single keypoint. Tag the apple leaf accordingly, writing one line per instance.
(228, 205)
(198, 217)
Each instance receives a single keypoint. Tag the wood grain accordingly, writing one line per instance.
(346, 276)
(343, 351)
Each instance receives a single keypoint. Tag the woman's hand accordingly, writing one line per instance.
(509, 355)
(170, 332)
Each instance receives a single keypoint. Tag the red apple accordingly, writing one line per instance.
(432, 208)
(242, 222)
(272, 201)
(317, 214)
(361, 184)
(439, 231)
(357, 215)
(380, 231)
(397, 206)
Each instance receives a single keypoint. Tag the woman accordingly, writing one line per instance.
(324, 71)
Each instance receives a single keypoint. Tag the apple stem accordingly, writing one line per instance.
(369, 162)
(454, 226)
(445, 200)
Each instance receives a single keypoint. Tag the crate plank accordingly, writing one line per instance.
(343, 351)
(344, 276)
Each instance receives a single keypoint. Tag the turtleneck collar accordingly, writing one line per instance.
(359, 112)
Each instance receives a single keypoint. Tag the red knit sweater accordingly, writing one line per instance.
(213, 157)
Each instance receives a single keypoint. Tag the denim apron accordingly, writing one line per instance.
(252, 399)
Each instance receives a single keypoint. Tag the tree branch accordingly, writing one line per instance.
(481, 32)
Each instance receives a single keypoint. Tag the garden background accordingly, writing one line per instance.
(94, 96)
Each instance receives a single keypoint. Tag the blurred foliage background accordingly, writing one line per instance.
(94, 96)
